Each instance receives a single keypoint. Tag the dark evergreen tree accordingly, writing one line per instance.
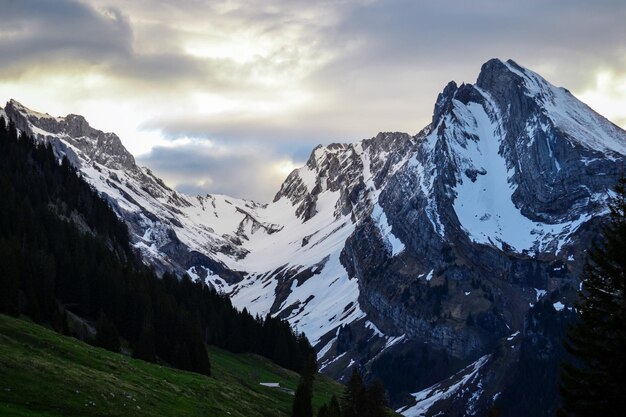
(197, 352)
(144, 348)
(107, 336)
(354, 396)
(10, 276)
(65, 327)
(362, 401)
(375, 400)
(181, 357)
(593, 382)
(302, 402)
(332, 409)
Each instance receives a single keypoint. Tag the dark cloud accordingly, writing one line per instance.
(359, 67)
(391, 58)
(37, 32)
(439, 36)
(436, 28)
(62, 35)
(199, 168)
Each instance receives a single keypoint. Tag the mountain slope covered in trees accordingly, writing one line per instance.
(64, 251)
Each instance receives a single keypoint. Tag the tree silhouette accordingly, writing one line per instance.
(302, 406)
(354, 396)
(107, 336)
(332, 409)
(593, 382)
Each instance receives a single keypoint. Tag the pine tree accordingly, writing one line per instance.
(65, 327)
(375, 400)
(362, 401)
(354, 396)
(302, 406)
(197, 352)
(9, 277)
(593, 383)
(144, 348)
(331, 409)
(107, 336)
(181, 357)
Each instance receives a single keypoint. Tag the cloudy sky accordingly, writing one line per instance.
(229, 96)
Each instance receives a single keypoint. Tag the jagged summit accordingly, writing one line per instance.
(16, 105)
(105, 148)
(392, 242)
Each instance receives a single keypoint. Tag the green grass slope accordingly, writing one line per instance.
(43, 373)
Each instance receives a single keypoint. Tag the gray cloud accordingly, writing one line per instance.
(309, 72)
(569, 37)
(309, 126)
(198, 169)
(36, 32)
(393, 57)
(63, 35)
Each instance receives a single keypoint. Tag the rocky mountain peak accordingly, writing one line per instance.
(496, 78)
(498, 74)
(437, 244)
(104, 148)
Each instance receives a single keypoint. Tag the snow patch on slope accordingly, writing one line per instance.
(454, 386)
(484, 204)
(583, 125)
(395, 245)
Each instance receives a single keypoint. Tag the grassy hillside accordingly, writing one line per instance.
(46, 374)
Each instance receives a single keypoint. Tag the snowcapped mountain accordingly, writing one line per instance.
(431, 248)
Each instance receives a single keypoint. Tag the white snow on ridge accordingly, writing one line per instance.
(584, 125)
(210, 278)
(512, 336)
(540, 293)
(29, 112)
(376, 330)
(380, 218)
(222, 213)
(307, 177)
(323, 351)
(453, 386)
(485, 207)
(391, 341)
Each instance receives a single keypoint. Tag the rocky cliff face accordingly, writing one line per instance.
(495, 210)
(103, 148)
(156, 215)
(414, 258)
(484, 211)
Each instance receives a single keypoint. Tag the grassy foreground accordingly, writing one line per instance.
(45, 374)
